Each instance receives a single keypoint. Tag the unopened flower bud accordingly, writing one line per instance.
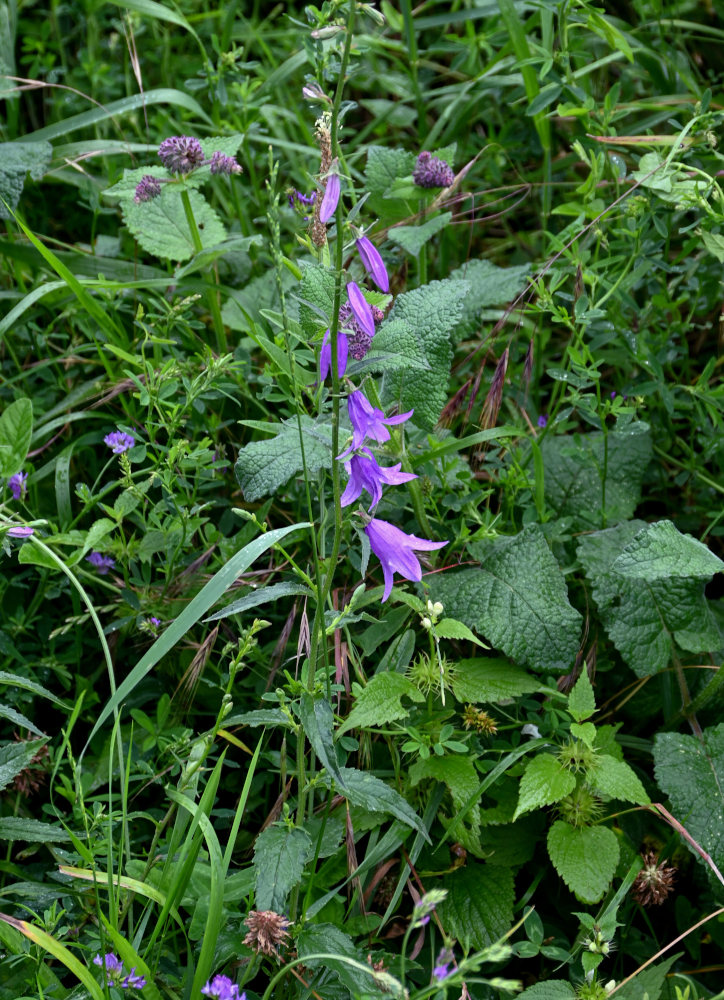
(426, 623)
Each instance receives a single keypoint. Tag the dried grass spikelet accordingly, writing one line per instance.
(491, 406)
(655, 882)
(454, 406)
(267, 931)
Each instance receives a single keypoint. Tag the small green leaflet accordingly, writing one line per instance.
(280, 855)
(161, 227)
(581, 700)
(544, 782)
(413, 238)
(16, 428)
(450, 628)
(380, 702)
(585, 858)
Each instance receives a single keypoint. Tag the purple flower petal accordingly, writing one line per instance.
(21, 531)
(331, 197)
(119, 442)
(366, 474)
(373, 263)
(325, 355)
(16, 485)
(395, 551)
(361, 309)
(368, 421)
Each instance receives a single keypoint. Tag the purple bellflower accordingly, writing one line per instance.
(325, 355)
(366, 474)
(330, 199)
(374, 265)
(368, 421)
(361, 309)
(431, 172)
(21, 531)
(119, 442)
(100, 562)
(222, 988)
(396, 551)
(181, 154)
(16, 485)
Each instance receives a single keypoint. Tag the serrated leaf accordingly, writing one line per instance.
(649, 983)
(16, 429)
(161, 227)
(316, 298)
(15, 757)
(554, 989)
(450, 628)
(581, 700)
(327, 939)
(489, 286)
(385, 165)
(380, 702)
(430, 313)
(585, 731)
(280, 855)
(31, 830)
(573, 467)
(125, 188)
(478, 909)
(363, 789)
(264, 466)
(317, 718)
(413, 238)
(585, 858)
(544, 782)
(229, 145)
(644, 618)
(660, 552)
(615, 778)
(460, 776)
(518, 600)
(16, 159)
(691, 772)
(491, 680)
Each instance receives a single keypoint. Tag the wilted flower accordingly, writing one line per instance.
(119, 442)
(181, 153)
(222, 164)
(361, 309)
(330, 199)
(16, 485)
(222, 988)
(366, 474)
(431, 172)
(374, 265)
(396, 551)
(267, 931)
(148, 189)
(654, 882)
(325, 355)
(368, 421)
(21, 531)
(100, 562)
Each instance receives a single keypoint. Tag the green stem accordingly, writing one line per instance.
(211, 295)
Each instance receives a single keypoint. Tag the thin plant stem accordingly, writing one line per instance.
(211, 295)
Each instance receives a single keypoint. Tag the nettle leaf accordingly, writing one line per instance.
(660, 552)
(581, 700)
(573, 467)
(363, 789)
(554, 989)
(229, 145)
(264, 466)
(327, 939)
(489, 286)
(462, 780)
(616, 779)
(544, 782)
(16, 160)
(32, 830)
(161, 227)
(478, 909)
(642, 617)
(413, 238)
(380, 702)
(518, 600)
(280, 855)
(691, 772)
(15, 757)
(317, 718)
(585, 858)
(450, 628)
(649, 983)
(316, 298)
(430, 312)
(385, 166)
(16, 429)
(492, 680)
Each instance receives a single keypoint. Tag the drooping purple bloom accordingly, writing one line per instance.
(441, 972)
(113, 966)
(431, 172)
(361, 308)
(119, 442)
(543, 420)
(374, 265)
(16, 485)
(368, 421)
(396, 551)
(148, 189)
(366, 474)
(21, 531)
(222, 164)
(181, 153)
(100, 562)
(330, 199)
(222, 988)
(137, 982)
(325, 355)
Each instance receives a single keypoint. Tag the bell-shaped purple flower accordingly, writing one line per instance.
(366, 474)
(21, 531)
(16, 485)
(331, 197)
(325, 355)
(374, 265)
(361, 309)
(396, 551)
(368, 421)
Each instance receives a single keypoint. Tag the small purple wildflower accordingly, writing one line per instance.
(222, 164)
(330, 199)
(441, 972)
(113, 966)
(100, 562)
(16, 485)
(368, 421)
(148, 189)
(222, 988)
(21, 531)
(613, 394)
(431, 172)
(119, 442)
(396, 551)
(156, 622)
(366, 474)
(181, 153)
(325, 355)
(361, 309)
(374, 265)
(444, 960)
(137, 982)
(299, 198)
(543, 420)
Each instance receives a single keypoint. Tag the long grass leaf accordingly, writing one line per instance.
(58, 951)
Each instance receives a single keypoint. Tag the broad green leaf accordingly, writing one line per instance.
(660, 552)
(380, 702)
(15, 757)
(581, 700)
(363, 789)
(489, 286)
(16, 160)
(16, 428)
(478, 909)
(413, 238)
(32, 830)
(280, 855)
(450, 628)
(691, 772)
(585, 858)
(616, 779)
(161, 227)
(316, 295)
(317, 718)
(714, 243)
(517, 599)
(462, 779)
(545, 781)
(385, 165)
(492, 680)
(574, 466)
(329, 940)
(260, 717)
(264, 466)
(644, 618)
(430, 312)
(554, 989)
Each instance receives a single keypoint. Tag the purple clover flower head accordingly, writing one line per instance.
(325, 355)
(368, 421)
(299, 198)
(113, 966)
(181, 154)
(16, 485)
(148, 189)
(222, 988)
(359, 340)
(137, 982)
(155, 622)
(21, 531)
(222, 164)
(361, 309)
(396, 551)
(441, 972)
(374, 265)
(543, 420)
(119, 442)
(330, 199)
(431, 172)
(366, 474)
(100, 562)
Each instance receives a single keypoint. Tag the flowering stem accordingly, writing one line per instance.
(212, 296)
